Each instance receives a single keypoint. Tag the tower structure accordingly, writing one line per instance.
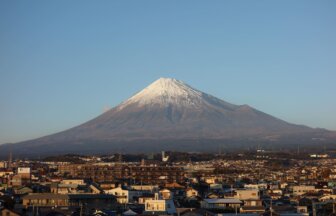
(10, 160)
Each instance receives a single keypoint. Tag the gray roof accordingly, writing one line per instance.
(91, 196)
(46, 196)
(224, 200)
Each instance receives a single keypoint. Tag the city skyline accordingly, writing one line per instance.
(62, 63)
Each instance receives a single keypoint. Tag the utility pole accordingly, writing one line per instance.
(81, 209)
(314, 209)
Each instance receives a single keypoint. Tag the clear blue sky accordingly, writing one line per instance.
(62, 62)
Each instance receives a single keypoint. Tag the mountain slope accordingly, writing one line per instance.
(169, 108)
(169, 111)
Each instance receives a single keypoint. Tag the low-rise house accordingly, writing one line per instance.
(327, 197)
(252, 209)
(191, 192)
(255, 186)
(4, 173)
(121, 194)
(302, 210)
(23, 190)
(57, 188)
(107, 185)
(142, 199)
(147, 188)
(137, 191)
(160, 206)
(95, 189)
(133, 195)
(221, 203)
(73, 181)
(275, 194)
(216, 186)
(290, 210)
(299, 190)
(176, 189)
(212, 196)
(25, 173)
(3, 164)
(247, 194)
(45, 199)
(252, 202)
(7, 212)
(166, 194)
(173, 186)
(283, 185)
(96, 201)
(252, 205)
(16, 181)
(210, 180)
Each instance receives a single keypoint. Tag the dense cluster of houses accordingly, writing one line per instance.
(216, 187)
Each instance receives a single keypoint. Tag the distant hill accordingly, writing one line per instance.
(171, 115)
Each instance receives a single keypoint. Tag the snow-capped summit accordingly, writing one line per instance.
(166, 91)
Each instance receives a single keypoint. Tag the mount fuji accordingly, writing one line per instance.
(171, 115)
